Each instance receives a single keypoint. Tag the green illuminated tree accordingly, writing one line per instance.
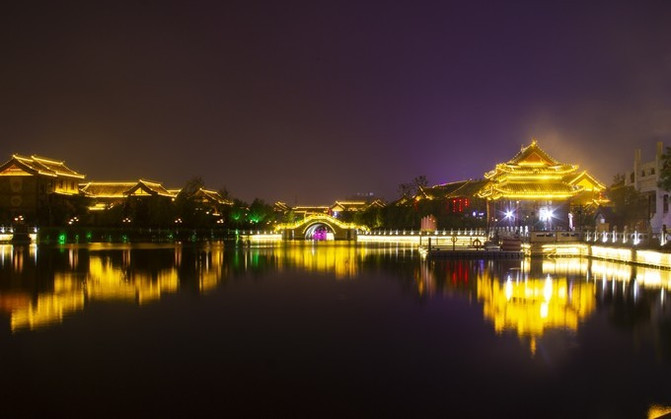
(260, 213)
(237, 213)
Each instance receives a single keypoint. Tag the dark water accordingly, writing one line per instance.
(327, 331)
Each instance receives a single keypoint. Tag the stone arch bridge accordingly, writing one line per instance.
(319, 227)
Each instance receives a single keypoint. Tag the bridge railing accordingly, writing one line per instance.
(627, 238)
(447, 238)
(412, 232)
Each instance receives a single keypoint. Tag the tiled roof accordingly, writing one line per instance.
(466, 188)
(106, 189)
(533, 174)
(44, 166)
(350, 205)
(122, 189)
(155, 187)
(213, 196)
(533, 153)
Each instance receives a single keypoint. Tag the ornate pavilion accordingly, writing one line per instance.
(535, 191)
(29, 186)
(104, 195)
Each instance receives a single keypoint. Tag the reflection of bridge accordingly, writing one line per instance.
(319, 226)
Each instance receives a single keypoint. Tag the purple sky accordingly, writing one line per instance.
(315, 101)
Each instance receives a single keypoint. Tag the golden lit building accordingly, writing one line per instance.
(30, 185)
(533, 189)
(211, 201)
(460, 197)
(104, 195)
(340, 207)
(337, 209)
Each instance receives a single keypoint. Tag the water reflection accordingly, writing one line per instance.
(38, 291)
(532, 302)
(40, 287)
(341, 261)
(536, 296)
(272, 321)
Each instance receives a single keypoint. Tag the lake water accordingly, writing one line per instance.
(326, 331)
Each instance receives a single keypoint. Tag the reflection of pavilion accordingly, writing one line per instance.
(96, 277)
(532, 306)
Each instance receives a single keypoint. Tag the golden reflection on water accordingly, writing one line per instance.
(530, 298)
(102, 279)
(530, 305)
(560, 294)
(342, 261)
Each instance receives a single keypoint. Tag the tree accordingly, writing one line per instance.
(420, 181)
(186, 207)
(192, 186)
(411, 188)
(259, 212)
(223, 191)
(238, 212)
(665, 171)
(629, 206)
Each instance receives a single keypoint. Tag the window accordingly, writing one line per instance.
(652, 171)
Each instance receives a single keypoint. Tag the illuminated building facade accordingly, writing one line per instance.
(453, 204)
(349, 207)
(339, 209)
(535, 191)
(460, 197)
(105, 195)
(30, 187)
(644, 178)
(209, 200)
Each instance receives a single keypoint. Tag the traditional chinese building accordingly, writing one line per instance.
(212, 201)
(453, 204)
(536, 191)
(340, 207)
(460, 197)
(35, 188)
(105, 195)
(208, 201)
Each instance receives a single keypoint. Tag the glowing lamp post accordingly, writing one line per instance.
(545, 215)
(510, 216)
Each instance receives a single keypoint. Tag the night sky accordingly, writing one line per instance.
(314, 101)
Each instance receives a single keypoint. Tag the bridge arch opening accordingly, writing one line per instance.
(319, 232)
